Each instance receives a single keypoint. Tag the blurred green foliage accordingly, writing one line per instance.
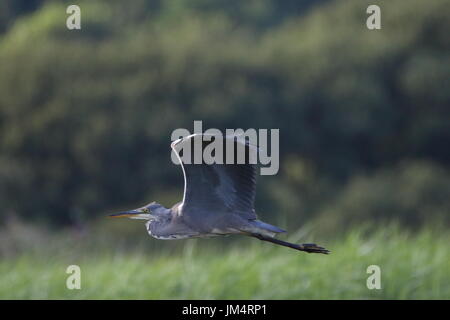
(86, 116)
(412, 267)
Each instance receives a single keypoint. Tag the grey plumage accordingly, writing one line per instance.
(218, 199)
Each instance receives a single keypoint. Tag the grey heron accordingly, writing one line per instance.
(218, 200)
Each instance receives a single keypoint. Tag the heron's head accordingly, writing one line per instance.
(149, 212)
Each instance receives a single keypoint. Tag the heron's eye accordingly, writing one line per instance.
(145, 210)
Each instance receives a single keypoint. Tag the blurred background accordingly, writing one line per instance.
(86, 117)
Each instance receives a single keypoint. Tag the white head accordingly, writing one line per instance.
(152, 211)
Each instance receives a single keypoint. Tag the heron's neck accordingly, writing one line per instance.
(158, 227)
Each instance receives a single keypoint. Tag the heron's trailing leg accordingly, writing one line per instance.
(307, 247)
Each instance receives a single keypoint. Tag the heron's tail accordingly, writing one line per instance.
(266, 227)
(259, 227)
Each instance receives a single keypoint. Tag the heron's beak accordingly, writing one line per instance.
(132, 214)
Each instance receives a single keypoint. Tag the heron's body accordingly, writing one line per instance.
(173, 225)
(218, 200)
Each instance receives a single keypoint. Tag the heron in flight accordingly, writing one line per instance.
(218, 200)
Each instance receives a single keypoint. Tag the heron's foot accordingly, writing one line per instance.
(313, 248)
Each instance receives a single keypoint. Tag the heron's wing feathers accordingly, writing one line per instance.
(217, 188)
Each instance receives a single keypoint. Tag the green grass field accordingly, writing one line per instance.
(413, 266)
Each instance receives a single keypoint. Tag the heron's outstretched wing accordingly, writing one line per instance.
(217, 189)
